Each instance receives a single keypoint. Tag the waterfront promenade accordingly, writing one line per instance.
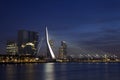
(4, 59)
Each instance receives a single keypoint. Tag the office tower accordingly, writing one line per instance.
(11, 48)
(60, 55)
(27, 42)
(63, 50)
(50, 53)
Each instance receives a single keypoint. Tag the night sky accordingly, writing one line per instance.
(87, 26)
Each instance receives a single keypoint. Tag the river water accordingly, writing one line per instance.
(60, 71)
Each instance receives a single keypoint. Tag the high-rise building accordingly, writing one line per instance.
(63, 50)
(27, 42)
(11, 48)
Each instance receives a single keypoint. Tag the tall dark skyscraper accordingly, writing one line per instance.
(63, 50)
(27, 42)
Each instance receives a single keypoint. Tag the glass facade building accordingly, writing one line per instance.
(63, 50)
(11, 48)
(27, 42)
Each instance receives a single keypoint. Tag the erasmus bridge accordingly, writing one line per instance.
(49, 46)
(82, 52)
(50, 53)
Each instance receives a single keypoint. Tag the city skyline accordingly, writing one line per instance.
(88, 25)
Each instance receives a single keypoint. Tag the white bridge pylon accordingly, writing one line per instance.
(48, 44)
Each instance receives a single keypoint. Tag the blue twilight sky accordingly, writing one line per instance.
(87, 26)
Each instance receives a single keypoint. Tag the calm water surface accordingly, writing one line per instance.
(60, 71)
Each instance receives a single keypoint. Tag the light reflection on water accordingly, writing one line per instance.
(20, 72)
(49, 73)
(10, 72)
(60, 71)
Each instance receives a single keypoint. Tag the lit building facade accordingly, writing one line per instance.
(27, 42)
(11, 48)
(63, 50)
